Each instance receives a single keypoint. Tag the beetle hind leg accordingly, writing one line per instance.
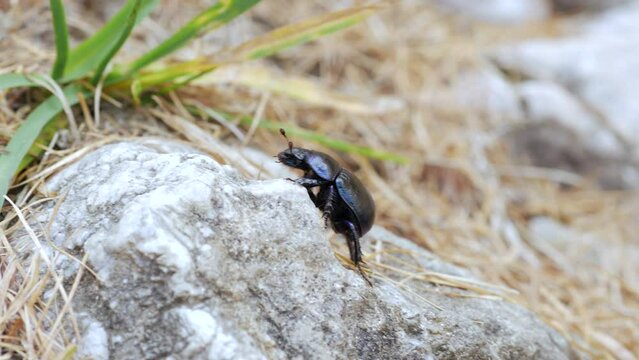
(352, 239)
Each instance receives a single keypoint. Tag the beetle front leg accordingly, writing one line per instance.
(326, 199)
(313, 197)
(308, 182)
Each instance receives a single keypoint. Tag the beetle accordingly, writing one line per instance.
(342, 198)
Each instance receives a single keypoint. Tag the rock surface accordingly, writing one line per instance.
(486, 92)
(511, 12)
(545, 101)
(500, 11)
(196, 261)
(586, 5)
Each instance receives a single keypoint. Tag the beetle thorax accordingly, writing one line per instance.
(323, 165)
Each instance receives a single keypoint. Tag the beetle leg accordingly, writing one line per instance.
(326, 201)
(310, 183)
(361, 272)
(312, 196)
(327, 218)
(352, 238)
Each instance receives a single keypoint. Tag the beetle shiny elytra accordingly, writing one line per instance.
(342, 198)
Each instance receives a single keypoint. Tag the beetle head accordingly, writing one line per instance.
(293, 156)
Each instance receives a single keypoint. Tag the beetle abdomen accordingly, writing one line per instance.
(358, 199)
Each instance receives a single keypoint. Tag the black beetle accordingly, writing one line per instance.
(342, 197)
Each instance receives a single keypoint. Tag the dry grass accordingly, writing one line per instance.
(461, 197)
(36, 317)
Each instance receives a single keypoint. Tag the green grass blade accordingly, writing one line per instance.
(169, 78)
(173, 73)
(262, 46)
(89, 54)
(332, 143)
(299, 33)
(130, 23)
(324, 140)
(43, 140)
(215, 16)
(28, 132)
(69, 353)
(136, 91)
(8, 81)
(61, 38)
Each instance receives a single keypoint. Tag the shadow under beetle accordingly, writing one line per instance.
(342, 198)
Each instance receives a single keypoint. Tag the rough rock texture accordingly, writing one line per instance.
(196, 261)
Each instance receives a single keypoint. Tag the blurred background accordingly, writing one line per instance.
(510, 128)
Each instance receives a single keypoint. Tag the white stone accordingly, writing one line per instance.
(548, 101)
(199, 262)
(501, 11)
(94, 343)
(597, 65)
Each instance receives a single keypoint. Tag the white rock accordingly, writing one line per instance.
(95, 342)
(199, 262)
(586, 5)
(598, 66)
(547, 101)
(208, 340)
(486, 92)
(501, 11)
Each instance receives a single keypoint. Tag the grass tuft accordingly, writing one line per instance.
(298, 33)
(91, 53)
(28, 132)
(128, 27)
(212, 18)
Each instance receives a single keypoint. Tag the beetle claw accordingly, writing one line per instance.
(361, 272)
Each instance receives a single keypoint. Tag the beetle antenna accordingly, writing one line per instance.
(290, 143)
